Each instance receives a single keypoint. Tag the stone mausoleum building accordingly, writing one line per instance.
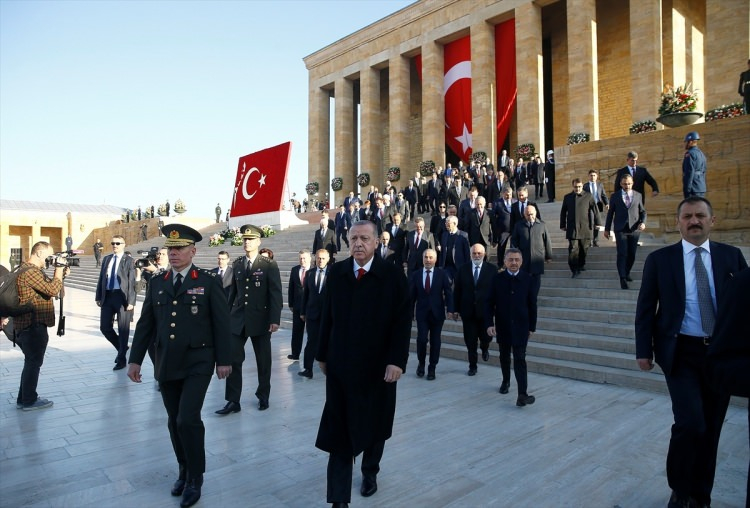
(530, 71)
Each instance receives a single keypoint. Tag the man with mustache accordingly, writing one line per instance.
(683, 285)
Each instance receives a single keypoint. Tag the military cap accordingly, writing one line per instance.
(249, 232)
(550, 152)
(179, 235)
(692, 136)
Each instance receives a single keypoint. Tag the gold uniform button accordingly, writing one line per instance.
(174, 314)
(174, 302)
(171, 337)
(172, 325)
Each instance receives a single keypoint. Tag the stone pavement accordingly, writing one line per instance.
(456, 443)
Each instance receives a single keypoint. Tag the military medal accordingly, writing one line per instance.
(194, 310)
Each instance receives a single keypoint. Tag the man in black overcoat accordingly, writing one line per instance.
(578, 216)
(363, 354)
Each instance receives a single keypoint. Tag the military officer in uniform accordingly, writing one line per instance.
(255, 306)
(186, 311)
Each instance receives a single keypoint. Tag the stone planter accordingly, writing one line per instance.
(679, 119)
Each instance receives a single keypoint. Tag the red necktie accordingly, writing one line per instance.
(360, 273)
(416, 241)
(302, 276)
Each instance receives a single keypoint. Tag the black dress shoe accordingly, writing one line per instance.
(292, 357)
(575, 274)
(525, 400)
(431, 375)
(230, 407)
(485, 355)
(305, 373)
(472, 371)
(192, 492)
(504, 387)
(119, 366)
(676, 501)
(629, 279)
(596, 243)
(340, 505)
(624, 283)
(178, 487)
(369, 486)
(420, 370)
(262, 404)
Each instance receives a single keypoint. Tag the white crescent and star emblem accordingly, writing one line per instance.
(462, 70)
(261, 182)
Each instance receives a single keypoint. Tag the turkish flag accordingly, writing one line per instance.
(457, 93)
(259, 186)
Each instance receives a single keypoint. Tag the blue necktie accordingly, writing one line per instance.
(705, 301)
(476, 274)
(113, 274)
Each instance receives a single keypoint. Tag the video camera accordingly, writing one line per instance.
(66, 258)
(148, 257)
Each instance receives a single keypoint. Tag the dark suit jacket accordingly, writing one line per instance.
(601, 196)
(460, 250)
(516, 215)
(312, 300)
(327, 242)
(255, 296)
(535, 245)
(641, 178)
(621, 218)
(295, 289)
(464, 211)
(343, 221)
(729, 352)
(578, 215)
(455, 196)
(125, 275)
(661, 299)
(436, 301)
(470, 299)
(357, 344)
(226, 280)
(192, 337)
(398, 241)
(502, 218)
(480, 230)
(390, 255)
(411, 195)
(433, 188)
(492, 193)
(414, 253)
(512, 306)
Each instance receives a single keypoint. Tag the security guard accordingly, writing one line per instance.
(186, 310)
(255, 306)
(693, 167)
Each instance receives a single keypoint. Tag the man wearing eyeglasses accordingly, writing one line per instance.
(115, 294)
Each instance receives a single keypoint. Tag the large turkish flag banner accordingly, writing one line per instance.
(259, 186)
(457, 93)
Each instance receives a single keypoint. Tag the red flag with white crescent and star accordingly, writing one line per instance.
(259, 186)
(457, 93)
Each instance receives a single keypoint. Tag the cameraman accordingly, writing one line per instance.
(31, 328)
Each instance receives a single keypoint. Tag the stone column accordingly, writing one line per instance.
(344, 140)
(583, 91)
(645, 58)
(319, 138)
(529, 76)
(398, 118)
(483, 91)
(371, 128)
(725, 49)
(433, 106)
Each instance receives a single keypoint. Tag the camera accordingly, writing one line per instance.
(66, 258)
(148, 257)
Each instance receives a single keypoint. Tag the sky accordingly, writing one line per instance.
(131, 103)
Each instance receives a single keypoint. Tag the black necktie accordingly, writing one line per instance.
(177, 282)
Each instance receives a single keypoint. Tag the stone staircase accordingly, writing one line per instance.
(585, 325)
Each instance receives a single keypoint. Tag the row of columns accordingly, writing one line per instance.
(581, 109)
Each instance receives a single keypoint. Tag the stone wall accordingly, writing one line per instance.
(727, 147)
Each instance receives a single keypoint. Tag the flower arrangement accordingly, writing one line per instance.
(363, 179)
(393, 174)
(215, 240)
(337, 183)
(179, 206)
(267, 230)
(526, 151)
(162, 210)
(578, 137)
(643, 126)
(725, 111)
(427, 168)
(311, 188)
(480, 157)
(678, 100)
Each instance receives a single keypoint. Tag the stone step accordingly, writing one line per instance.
(585, 303)
(615, 317)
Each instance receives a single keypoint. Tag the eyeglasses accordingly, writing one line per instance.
(118, 243)
(441, 207)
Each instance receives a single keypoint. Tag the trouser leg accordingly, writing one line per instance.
(233, 389)
(519, 368)
(33, 342)
(262, 348)
(470, 339)
(311, 348)
(298, 333)
(339, 478)
(505, 349)
(371, 459)
(436, 328)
